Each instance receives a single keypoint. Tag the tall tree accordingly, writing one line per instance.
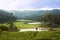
(51, 19)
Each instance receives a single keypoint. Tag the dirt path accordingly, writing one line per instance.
(33, 29)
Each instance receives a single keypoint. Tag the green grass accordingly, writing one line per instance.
(22, 25)
(44, 35)
(4, 24)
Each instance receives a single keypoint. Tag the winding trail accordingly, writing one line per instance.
(33, 29)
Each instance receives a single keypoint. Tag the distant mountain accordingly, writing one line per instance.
(32, 15)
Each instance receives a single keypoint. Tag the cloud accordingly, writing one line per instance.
(28, 4)
(15, 4)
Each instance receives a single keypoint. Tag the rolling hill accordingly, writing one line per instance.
(32, 15)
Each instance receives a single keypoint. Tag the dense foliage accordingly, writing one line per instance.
(3, 28)
(52, 20)
(6, 16)
(9, 18)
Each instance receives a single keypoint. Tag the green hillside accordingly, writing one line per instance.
(32, 15)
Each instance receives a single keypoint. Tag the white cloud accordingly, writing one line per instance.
(27, 4)
(16, 4)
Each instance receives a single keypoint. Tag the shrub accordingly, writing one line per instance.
(3, 28)
(16, 29)
(13, 28)
(43, 25)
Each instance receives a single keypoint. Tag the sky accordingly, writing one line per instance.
(29, 4)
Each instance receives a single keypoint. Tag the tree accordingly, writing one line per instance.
(12, 27)
(51, 19)
(5, 16)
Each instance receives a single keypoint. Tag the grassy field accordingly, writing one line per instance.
(44, 35)
(21, 24)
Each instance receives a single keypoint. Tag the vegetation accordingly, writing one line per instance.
(6, 16)
(52, 20)
(33, 15)
(44, 35)
(21, 25)
(3, 28)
